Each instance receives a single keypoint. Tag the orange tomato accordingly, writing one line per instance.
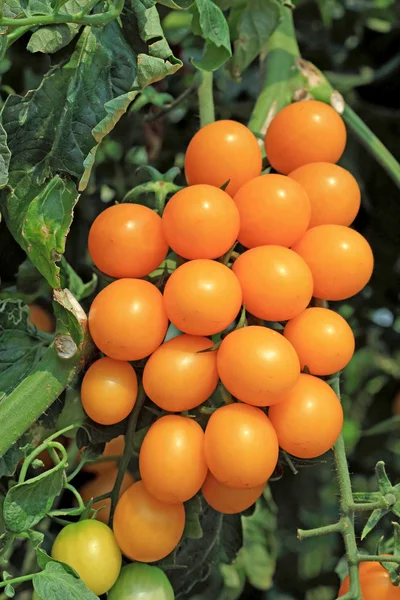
(222, 151)
(340, 259)
(178, 376)
(171, 461)
(241, 446)
(257, 364)
(39, 317)
(145, 528)
(323, 340)
(309, 418)
(109, 390)
(127, 319)
(202, 297)
(126, 240)
(201, 221)
(115, 447)
(333, 192)
(102, 485)
(375, 583)
(276, 285)
(228, 500)
(305, 132)
(273, 209)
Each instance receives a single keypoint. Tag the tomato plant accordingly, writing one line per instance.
(141, 582)
(103, 484)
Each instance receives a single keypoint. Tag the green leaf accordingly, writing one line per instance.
(9, 591)
(193, 510)
(209, 22)
(92, 433)
(5, 154)
(52, 38)
(10, 459)
(373, 520)
(71, 280)
(177, 4)
(54, 583)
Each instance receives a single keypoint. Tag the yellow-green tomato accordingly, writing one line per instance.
(141, 582)
(90, 548)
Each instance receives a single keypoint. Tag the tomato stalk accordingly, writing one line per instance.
(206, 99)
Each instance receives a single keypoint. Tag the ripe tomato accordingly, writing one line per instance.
(201, 221)
(90, 548)
(126, 240)
(109, 390)
(276, 285)
(273, 210)
(333, 192)
(340, 259)
(222, 151)
(228, 500)
(302, 133)
(171, 461)
(141, 582)
(102, 485)
(202, 297)
(39, 317)
(309, 418)
(257, 364)
(375, 583)
(241, 446)
(127, 319)
(178, 376)
(323, 340)
(115, 448)
(147, 529)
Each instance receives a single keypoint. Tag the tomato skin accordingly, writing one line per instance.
(333, 192)
(273, 209)
(305, 132)
(115, 447)
(227, 500)
(178, 376)
(39, 317)
(241, 446)
(201, 221)
(222, 151)
(323, 340)
(375, 583)
(126, 240)
(276, 285)
(309, 418)
(257, 364)
(102, 485)
(141, 582)
(109, 390)
(91, 549)
(127, 319)
(202, 297)
(340, 260)
(171, 461)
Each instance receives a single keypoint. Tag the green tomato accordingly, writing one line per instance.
(138, 581)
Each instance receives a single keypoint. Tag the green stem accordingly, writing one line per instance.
(378, 558)
(77, 495)
(303, 534)
(17, 580)
(102, 497)
(206, 99)
(58, 465)
(370, 506)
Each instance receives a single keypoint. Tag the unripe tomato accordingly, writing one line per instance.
(115, 447)
(141, 582)
(39, 317)
(276, 285)
(171, 461)
(257, 364)
(228, 500)
(147, 529)
(375, 583)
(90, 548)
(202, 297)
(273, 209)
(126, 240)
(109, 390)
(178, 376)
(309, 418)
(241, 446)
(340, 259)
(103, 484)
(201, 221)
(127, 319)
(222, 151)
(333, 192)
(323, 340)
(305, 132)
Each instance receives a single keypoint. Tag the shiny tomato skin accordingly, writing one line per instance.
(114, 447)
(223, 151)
(171, 461)
(340, 260)
(141, 582)
(333, 192)
(90, 548)
(276, 285)
(42, 319)
(305, 132)
(127, 319)
(147, 529)
(228, 500)
(201, 221)
(375, 583)
(102, 485)
(308, 419)
(241, 446)
(178, 376)
(257, 365)
(126, 240)
(202, 297)
(273, 209)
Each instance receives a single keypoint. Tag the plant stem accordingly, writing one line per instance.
(370, 506)
(17, 580)
(206, 99)
(378, 558)
(303, 534)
